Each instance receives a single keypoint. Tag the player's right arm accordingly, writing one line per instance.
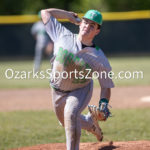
(58, 14)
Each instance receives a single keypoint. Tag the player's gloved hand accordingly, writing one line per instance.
(102, 112)
(103, 107)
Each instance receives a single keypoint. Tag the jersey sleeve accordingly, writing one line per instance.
(104, 70)
(55, 29)
(104, 80)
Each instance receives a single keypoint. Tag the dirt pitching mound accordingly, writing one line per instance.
(130, 145)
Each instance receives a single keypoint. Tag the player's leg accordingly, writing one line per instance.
(81, 98)
(88, 121)
(72, 127)
(66, 110)
(70, 105)
(75, 103)
(59, 101)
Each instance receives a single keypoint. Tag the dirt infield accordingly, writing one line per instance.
(40, 99)
(130, 145)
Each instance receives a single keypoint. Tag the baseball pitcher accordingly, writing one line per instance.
(76, 57)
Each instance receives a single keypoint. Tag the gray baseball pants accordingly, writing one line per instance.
(68, 108)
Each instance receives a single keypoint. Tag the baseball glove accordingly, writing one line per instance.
(101, 114)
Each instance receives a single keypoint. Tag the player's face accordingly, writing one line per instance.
(88, 28)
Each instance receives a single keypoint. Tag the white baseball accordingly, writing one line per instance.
(78, 19)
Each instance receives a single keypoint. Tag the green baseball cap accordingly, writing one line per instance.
(94, 15)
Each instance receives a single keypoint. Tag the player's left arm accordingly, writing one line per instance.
(105, 93)
(104, 100)
(105, 80)
(106, 85)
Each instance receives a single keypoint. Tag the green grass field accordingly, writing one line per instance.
(118, 64)
(19, 129)
(26, 128)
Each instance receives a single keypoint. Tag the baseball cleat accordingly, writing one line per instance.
(96, 130)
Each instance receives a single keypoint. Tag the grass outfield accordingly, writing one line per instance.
(19, 129)
(118, 64)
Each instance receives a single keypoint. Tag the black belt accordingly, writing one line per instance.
(59, 90)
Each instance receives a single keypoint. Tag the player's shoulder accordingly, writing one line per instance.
(102, 58)
(99, 51)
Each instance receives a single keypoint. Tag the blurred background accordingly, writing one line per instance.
(122, 33)
(125, 33)
(124, 38)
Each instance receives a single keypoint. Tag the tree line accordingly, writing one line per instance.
(18, 7)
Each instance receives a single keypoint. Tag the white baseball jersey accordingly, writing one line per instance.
(70, 57)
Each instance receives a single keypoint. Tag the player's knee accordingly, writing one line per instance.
(70, 116)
